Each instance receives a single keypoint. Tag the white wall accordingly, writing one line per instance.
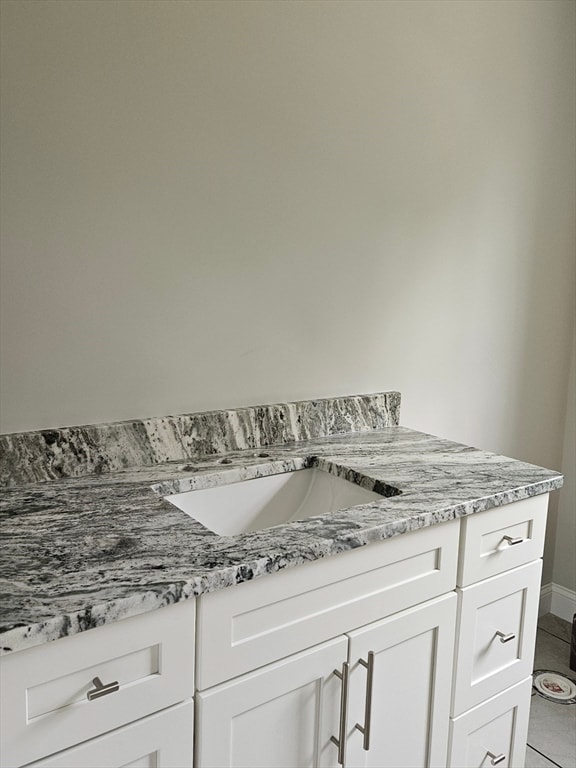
(211, 204)
(564, 573)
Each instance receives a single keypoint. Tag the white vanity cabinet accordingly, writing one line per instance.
(413, 651)
(469, 590)
(390, 675)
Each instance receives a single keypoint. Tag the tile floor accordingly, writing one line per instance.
(552, 730)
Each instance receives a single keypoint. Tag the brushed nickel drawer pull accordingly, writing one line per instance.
(341, 740)
(511, 540)
(365, 729)
(495, 759)
(101, 690)
(505, 638)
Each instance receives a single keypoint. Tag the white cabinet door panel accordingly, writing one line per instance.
(409, 716)
(281, 715)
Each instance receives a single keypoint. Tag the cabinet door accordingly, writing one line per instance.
(282, 715)
(408, 711)
(163, 740)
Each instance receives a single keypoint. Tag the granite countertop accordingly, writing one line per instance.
(82, 552)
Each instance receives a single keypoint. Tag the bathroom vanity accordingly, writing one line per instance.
(395, 632)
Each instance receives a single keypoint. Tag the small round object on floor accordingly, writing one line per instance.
(554, 686)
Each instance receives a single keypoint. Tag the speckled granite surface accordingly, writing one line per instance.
(89, 549)
(52, 454)
(83, 552)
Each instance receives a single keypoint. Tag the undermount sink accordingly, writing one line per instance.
(263, 502)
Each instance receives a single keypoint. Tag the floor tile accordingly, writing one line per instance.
(552, 730)
(554, 625)
(552, 653)
(536, 760)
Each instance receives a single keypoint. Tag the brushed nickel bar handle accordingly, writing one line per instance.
(340, 742)
(101, 690)
(365, 729)
(505, 638)
(511, 540)
(495, 759)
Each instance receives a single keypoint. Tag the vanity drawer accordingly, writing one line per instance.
(501, 539)
(163, 740)
(497, 631)
(247, 626)
(44, 690)
(494, 733)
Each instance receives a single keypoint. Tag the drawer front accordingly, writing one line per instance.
(485, 549)
(255, 623)
(494, 733)
(44, 702)
(497, 632)
(158, 741)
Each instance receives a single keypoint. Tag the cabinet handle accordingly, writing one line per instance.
(505, 639)
(365, 729)
(495, 759)
(511, 540)
(101, 690)
(341, 740)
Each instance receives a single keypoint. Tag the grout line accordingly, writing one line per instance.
(553, 762)
(553, 635)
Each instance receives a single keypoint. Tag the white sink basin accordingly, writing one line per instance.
(263, 502)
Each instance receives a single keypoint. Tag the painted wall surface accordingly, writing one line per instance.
(215, 204)
(564, 560)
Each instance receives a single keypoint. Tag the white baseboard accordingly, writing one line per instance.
(545, 599)
(557, 600)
